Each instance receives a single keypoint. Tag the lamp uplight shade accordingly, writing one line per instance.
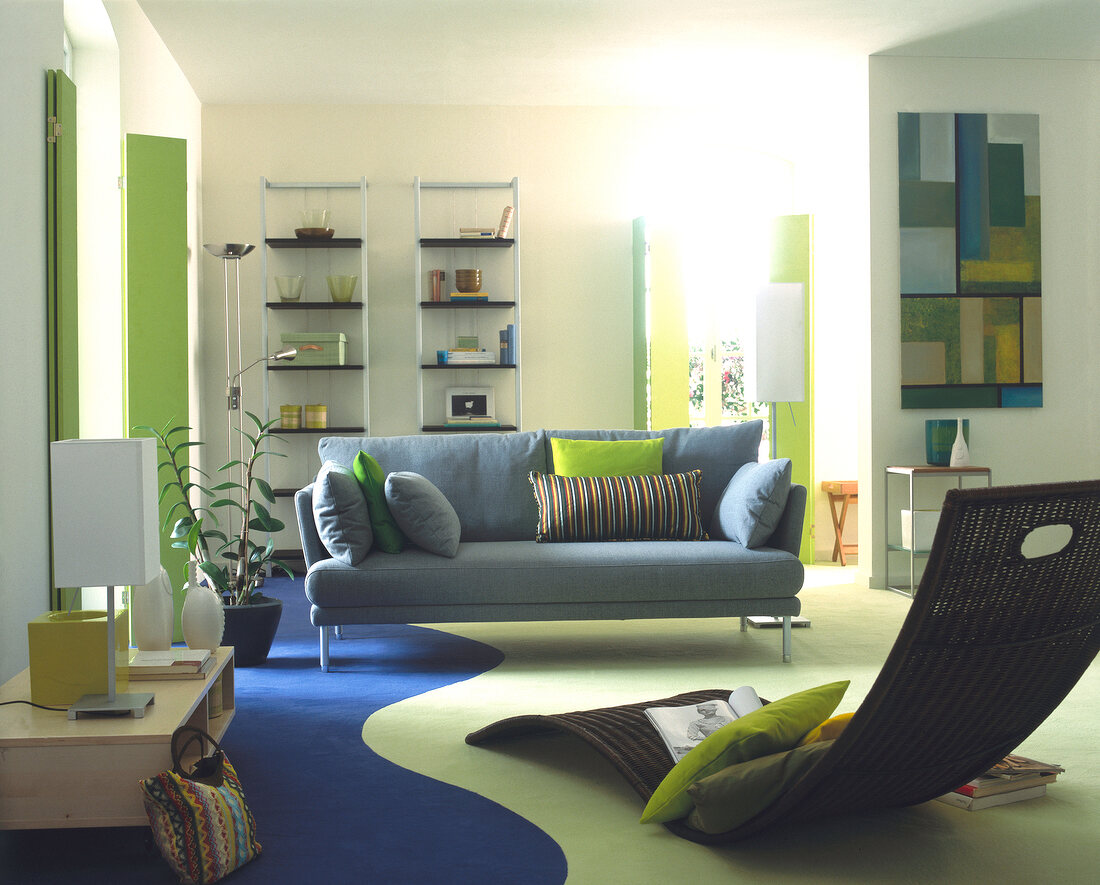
(105, 517)
(775, 368)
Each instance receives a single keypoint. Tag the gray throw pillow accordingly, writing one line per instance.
(423, 513)
(754, 499)
(341, 515)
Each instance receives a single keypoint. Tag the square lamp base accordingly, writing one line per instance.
(134, 703)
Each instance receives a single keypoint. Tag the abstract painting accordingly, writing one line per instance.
(971, 280)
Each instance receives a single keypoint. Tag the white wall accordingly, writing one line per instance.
(30, 44)
(1058, 441)
(585, 173)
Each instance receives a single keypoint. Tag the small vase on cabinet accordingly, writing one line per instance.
(151, 615)
(960, 454)
(203, 618)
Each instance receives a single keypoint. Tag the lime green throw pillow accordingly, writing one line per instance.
(773, 728)
(596, 457)
(387, 536)
(730, 797)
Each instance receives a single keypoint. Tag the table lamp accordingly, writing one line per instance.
(105, 533)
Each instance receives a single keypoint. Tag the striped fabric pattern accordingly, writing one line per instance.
(203, 832)
(618, 508)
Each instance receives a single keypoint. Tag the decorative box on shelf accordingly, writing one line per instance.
(333, 352)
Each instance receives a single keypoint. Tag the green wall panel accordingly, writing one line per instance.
(792, 262)
(155, 337)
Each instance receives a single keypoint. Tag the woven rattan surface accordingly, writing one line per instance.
(992, 644)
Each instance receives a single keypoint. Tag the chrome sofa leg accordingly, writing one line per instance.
(786, 639)
(744, 623)
(339, 631)
(324, 649)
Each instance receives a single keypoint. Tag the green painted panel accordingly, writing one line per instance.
(950, 396)
(935, 319)
(155, 295)
(1006, 185)
(792, 262)
(641, 337)
(926, 203)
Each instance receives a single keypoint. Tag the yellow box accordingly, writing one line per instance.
(68, 655)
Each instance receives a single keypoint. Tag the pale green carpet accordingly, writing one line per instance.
(568, 790)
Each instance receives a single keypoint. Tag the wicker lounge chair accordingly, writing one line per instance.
(993, 643)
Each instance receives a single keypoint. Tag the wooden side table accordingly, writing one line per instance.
(841, 492)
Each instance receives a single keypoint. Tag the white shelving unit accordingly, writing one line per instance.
(345, 389)
(441, 208)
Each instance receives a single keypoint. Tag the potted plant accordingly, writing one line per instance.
(233, 566)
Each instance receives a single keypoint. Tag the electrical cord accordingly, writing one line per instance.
(33, 704)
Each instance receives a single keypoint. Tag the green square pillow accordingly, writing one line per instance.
(387, 536)
(728, 798)
(594, 457)
(773, 728)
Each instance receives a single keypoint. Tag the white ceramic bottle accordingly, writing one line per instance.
(202, 618)
(960, 454)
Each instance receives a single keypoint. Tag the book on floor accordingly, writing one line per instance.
(971, 803)
(683, 728)
(176, 661)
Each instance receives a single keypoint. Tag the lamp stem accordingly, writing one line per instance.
(111, 654)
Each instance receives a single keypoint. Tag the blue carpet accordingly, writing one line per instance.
(327, 808)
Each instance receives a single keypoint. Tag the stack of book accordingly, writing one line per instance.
(469, 296)
(172, 663)
(478, 232)
(461, 356)
(508, 345)
(1013, 779)
(472, 421)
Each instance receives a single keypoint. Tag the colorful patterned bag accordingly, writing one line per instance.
(200, 820)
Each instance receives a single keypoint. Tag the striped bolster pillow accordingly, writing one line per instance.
(618, 508)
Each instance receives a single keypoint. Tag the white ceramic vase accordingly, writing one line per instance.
(151, 615)
(202, 619)
(960, 454)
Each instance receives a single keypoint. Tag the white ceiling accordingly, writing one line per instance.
(578, 52)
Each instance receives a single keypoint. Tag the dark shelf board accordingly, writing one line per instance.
(313, 368)
(284, 493)
(467, 242)
(333, 243)
(314, 305)
(442, 428)
(463, 305)
(461, 366)
(332, 431)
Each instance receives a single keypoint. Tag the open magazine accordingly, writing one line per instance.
(683, 728)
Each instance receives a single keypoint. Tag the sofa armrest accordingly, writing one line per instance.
(312, 548)
(788, 534)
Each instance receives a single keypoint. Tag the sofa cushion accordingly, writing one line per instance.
(372, 480)
(752, 503)
(340, 514)
(773, 728)
(737, 793)
(618, 508)
(423, 513)
(717, 451)
(483, 475)
(594, 457)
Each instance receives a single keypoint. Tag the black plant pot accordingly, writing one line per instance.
(250, 629)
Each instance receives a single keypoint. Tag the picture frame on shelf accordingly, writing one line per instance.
(467, 403)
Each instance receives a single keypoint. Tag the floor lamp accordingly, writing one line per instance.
(103, 495)
(231, 253)
(775, 370)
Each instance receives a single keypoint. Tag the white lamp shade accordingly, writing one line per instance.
(105, 518)
(775, 364)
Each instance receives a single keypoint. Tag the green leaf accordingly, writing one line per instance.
(265, 489)
(228, 502)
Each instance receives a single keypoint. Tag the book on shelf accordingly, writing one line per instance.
(470, 356)
(505, 222)
(513, 356)
(477, 232)
(171, 663)
(471, 422)
(505, 352)
(469, 296)
(683, 728)
(971, 803)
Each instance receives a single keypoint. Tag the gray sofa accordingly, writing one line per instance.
(500, 573)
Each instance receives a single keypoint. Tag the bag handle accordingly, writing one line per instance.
(207, 766)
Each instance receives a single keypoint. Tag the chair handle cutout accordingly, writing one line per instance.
(1046, 540)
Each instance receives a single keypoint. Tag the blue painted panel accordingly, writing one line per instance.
(972, 159)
